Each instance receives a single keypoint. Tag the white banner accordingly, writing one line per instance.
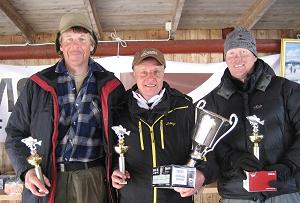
(12, 79)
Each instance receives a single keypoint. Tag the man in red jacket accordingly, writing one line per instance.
(67, 107)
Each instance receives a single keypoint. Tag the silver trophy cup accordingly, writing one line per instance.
(207, 127)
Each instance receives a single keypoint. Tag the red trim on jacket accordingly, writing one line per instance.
(105, 91)
(50, 89)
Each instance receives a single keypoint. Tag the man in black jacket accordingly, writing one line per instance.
(67, 107)
(160, 120)
(250, 89)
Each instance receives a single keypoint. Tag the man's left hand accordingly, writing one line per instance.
(284, 174)
(185, 192)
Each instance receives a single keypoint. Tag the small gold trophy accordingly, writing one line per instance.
(34, 159)
(121, 148)
(255, 138)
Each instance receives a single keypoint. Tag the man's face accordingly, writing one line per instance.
(149, 75)
(240, 62)
(76, 47)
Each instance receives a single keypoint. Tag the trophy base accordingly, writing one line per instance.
(171, 176)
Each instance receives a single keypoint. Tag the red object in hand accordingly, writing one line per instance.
(259, 181)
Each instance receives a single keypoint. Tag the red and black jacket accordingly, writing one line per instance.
(36, 114)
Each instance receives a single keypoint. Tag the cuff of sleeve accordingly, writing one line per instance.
(208, 174)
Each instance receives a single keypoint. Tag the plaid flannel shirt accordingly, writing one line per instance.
(80, 134)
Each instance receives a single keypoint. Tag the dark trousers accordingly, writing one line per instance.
(287, 198)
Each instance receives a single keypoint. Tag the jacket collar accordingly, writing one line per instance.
(151, 103)
(50, 74)
(163, 106)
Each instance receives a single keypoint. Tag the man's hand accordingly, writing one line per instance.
(185, 192)
(244, 161)
(33, 184)
(284, 174)
(118, 177)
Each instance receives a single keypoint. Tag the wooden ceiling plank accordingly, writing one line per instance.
(17, 20)
(92, 11)
(255, 12)
(176, 18)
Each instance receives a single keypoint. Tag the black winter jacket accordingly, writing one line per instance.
(272, 99)
(161, 136)
(36, 114)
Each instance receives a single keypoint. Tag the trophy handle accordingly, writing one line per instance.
(232, 123)
(201, 104)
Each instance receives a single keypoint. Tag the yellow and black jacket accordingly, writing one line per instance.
(160, 136)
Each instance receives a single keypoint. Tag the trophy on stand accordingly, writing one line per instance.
(207, 127)
(121, 148)
(34, 159)
(255, 138)
(258, 181)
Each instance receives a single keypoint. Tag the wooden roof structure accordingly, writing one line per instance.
(29, 17)
(28, 20)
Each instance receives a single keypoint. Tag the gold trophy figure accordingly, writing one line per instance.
(255, 138)
(34, 159)
(121, 148)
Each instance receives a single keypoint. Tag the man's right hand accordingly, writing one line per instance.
(33, 184)
(244, 161)
(118, 177)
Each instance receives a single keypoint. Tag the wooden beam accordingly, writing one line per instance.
(297, 31)
(110, 48)
(254, 13)
(17, 20)
(93, 14)
(176, 18)
(226, 31)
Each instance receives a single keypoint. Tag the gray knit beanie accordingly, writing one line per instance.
(240, 38)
